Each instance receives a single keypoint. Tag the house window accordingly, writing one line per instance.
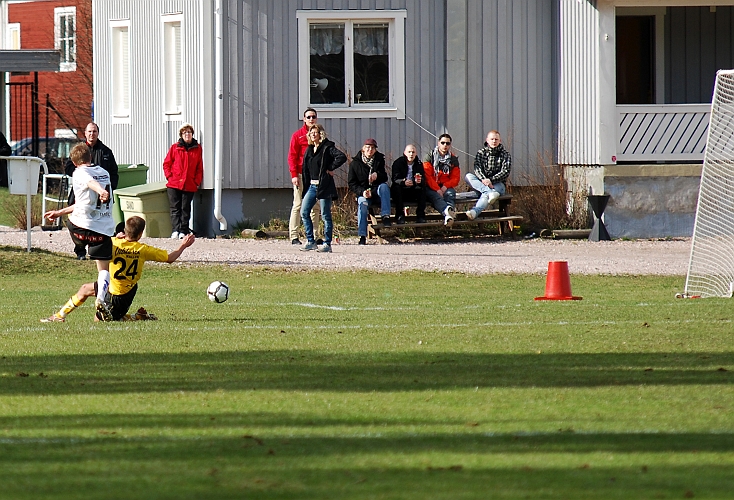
(65, 36)
(172, 88)
(352, 63)
(120, 85)
(13, 34)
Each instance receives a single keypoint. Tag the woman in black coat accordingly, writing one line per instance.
(321, 159)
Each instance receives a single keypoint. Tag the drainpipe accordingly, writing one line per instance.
(218, 114)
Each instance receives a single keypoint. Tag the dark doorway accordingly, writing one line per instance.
(636, 60)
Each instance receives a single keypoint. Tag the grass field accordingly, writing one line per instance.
(357, 385)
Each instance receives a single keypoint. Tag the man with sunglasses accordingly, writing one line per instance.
(443, 174)
(298, 146)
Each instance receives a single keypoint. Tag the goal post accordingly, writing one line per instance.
(711, 262)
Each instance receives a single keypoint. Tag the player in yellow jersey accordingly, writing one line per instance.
(126, 269)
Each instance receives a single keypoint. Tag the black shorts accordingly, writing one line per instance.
(100, 245)
(120, 304)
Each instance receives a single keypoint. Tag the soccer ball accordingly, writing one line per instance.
(218, 292)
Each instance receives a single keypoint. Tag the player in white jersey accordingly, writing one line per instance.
(90, 218)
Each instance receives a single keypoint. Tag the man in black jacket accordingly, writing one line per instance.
(102, 156)
(5, 150)
(407, 184)
(367, 179)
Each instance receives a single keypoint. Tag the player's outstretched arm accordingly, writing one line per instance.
(53, 214)
(185, 243)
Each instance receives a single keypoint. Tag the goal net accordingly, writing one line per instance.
(711, 264)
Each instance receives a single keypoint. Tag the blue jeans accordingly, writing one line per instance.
(484, 191)
(436, 200)
(382, 197)
(307, 204)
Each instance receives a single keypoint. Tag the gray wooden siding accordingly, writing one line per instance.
(261, 68)
(513, 82)
(698, 42)
(148, 136)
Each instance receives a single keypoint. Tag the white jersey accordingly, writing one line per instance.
(89, 211)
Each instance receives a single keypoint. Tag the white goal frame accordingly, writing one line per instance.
(711, 263)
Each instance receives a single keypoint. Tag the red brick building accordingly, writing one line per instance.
(64, 98)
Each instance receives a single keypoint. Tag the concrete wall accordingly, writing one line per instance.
(651, 201)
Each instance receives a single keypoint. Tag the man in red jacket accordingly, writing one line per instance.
(298, 146)
(184, 171)
(443, 174)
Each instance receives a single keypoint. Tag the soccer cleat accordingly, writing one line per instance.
(494, 196)
(103, 310)
(174, 235)
(325, 248)
(309, 246)
(143, 315)
(53, 319)
(471, 214)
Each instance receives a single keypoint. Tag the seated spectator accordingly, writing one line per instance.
(368, 180)
(442, 175)
(491, 168)
(408, 184)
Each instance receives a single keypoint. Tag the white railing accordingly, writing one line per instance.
(662, 132)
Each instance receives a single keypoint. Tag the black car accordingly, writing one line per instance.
(54, 150)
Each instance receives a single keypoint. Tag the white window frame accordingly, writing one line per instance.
(13, 36)
(395, 19)
(120, 76)
(172, 66)
(59, 13)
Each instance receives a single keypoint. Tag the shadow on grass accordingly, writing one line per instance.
(315, 370)
(436, 466)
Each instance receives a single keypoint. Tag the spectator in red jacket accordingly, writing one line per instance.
(442, 175)
(184, 171)
(298, 146)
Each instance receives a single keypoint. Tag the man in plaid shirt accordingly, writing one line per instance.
(491, 168)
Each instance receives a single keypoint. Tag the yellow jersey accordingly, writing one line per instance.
(128, 259)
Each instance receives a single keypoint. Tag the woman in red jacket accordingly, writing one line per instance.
(184, 171)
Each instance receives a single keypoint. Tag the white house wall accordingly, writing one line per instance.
(149, 133)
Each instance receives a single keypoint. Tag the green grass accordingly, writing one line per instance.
(316, 385)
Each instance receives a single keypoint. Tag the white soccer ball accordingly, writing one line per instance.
(218, 292)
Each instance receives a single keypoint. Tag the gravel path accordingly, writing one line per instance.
(479, 256)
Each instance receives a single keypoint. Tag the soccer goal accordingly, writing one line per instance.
(711, 264)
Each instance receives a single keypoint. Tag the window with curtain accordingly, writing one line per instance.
(65, 36)
(353, 63)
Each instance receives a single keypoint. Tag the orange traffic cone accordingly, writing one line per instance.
(558, 282)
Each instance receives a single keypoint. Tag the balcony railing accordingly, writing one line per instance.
(662, 132)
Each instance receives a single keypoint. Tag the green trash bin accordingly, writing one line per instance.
(149, 201)
(129, 175)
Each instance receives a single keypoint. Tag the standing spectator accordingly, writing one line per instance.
(491, 168)
(408, 185)
(184, 171)
(5, 150)
(442, 175)
(298, 145)
(319, 162)
(368, 180)
(101, 156)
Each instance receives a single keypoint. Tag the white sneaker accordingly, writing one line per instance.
(174, 235)
(181, 236)
(494, 196)
(448, 219)
(471, 214)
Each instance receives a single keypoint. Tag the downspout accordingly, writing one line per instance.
(218, 117)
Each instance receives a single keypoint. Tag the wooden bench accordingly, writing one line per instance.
(498, 214)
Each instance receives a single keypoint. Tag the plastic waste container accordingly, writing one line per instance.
(129, 175)
(149, 201)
